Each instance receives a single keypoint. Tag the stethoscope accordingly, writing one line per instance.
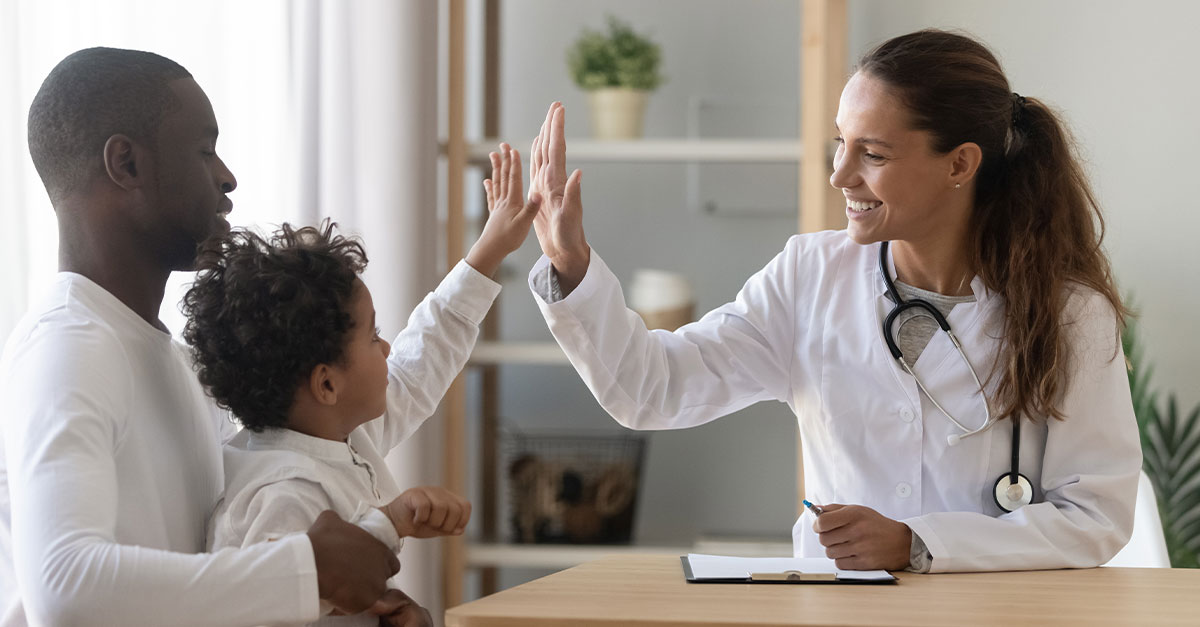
(1013, 490)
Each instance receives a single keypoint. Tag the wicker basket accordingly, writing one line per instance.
(579, 489)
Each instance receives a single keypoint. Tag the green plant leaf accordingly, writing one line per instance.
(618, 58)
(1170, 457)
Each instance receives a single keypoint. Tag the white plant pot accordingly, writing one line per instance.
(663, 299)
(617, 112)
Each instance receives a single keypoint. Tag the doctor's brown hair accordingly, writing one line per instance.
(1035, 229)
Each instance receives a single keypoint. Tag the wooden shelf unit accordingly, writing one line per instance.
(664, 150)
(822, 50)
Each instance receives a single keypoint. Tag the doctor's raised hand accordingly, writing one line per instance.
(559, 223)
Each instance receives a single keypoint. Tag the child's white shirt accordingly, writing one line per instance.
(277, 482)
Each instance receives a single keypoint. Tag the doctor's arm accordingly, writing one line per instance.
(737, 355)
(1089, 473)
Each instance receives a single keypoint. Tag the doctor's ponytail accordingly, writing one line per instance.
(1035, 230)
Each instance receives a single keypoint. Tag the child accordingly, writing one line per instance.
(283, 333)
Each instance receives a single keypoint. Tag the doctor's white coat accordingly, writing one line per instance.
(806, 330)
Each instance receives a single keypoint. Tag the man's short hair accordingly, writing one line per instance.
(88, 97)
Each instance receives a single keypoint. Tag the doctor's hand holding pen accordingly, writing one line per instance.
(559, 222)
(859, 538)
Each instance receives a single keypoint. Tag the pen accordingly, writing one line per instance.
(815, 509)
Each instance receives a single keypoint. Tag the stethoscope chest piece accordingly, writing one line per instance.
(1013, 496)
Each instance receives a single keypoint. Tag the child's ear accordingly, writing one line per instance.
(323, 384)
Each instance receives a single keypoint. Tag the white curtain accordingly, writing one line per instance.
(326, 108)
(241, 63)
(14, 245)
(365, 87)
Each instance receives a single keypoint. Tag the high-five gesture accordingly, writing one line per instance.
(509, 215)
(559, 223)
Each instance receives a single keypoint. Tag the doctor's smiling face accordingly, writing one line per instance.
(896, 186)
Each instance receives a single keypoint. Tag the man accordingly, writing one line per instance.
(111, 457)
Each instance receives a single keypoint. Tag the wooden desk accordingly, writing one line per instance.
(649, 591)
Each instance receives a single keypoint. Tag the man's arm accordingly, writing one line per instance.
(60, 437)
(280, 509)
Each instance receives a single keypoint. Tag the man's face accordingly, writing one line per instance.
(188, 201)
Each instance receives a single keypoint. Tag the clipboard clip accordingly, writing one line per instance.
(793, 575)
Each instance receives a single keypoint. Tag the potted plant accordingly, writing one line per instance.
(618, 69)
(1171, 457)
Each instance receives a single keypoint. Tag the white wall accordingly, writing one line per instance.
(1124, 74)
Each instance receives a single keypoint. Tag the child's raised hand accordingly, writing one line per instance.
(509, 214)
(428, 512)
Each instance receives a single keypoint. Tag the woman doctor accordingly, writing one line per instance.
(1000, 437)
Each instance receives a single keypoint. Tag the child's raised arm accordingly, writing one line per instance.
(509, 215)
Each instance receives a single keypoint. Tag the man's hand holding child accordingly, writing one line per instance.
(428, 512)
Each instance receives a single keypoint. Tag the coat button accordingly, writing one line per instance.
(903, 490)
(906, 414)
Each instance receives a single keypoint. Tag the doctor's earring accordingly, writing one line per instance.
(958, 186)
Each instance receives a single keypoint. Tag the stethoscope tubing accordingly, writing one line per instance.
(1013, 476)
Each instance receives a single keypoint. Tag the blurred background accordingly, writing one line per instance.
(340, 109)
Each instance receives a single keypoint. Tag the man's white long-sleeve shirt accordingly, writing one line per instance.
(111, 465)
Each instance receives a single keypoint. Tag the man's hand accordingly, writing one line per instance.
(403, 611)
(509, 216)
(352, 567)
(428, 512)
(860, 538)
(559, 223)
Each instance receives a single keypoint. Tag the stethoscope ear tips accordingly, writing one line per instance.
(954, 439)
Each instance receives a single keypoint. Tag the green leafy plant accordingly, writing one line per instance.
(1170, 457)
(618, 58)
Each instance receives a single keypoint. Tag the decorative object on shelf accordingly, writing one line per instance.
(579, 489)
(1170, 456)
(663, 299)
(618, 69)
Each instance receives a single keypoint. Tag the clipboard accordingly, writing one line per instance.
(811, 572)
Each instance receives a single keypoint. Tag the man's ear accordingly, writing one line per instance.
(965, 161)
(124, 162)
(324, 384)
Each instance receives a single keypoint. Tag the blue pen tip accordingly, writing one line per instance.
(807, 504)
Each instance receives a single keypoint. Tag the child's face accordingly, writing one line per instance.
(365, 372)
